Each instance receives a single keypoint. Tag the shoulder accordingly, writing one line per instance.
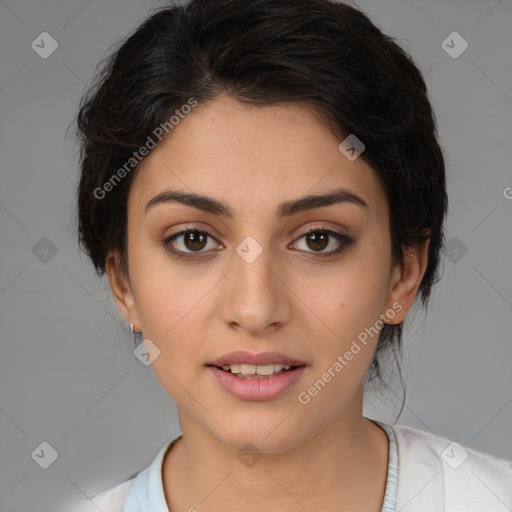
(435, 471)
(111, 500)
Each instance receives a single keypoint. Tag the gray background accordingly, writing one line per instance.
(68, 374)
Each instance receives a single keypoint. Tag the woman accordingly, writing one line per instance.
(263, 185)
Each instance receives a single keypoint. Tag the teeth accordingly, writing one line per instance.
(267, 369)
(248, 369)
(251, 369)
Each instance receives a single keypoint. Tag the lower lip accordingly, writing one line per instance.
(256, 389)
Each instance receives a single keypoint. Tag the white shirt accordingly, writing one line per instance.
(426, 473)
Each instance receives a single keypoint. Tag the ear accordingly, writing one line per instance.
(406, 280)
(122, 290)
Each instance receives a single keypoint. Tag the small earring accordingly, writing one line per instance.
(135, 342)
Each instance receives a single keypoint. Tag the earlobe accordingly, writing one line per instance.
(406, 280)
(121, 289)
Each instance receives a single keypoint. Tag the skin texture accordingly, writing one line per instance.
(323, 455)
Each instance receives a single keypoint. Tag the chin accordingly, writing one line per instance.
(264, 435)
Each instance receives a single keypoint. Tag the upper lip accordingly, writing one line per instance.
(263, 358)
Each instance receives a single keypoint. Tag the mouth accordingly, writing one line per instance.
(251, 371)
(250, 376)
(256, 382)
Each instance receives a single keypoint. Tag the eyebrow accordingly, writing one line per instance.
(285, 209)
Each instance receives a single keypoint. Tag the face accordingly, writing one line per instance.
(204, 284)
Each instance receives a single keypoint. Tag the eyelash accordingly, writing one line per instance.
(345, 243)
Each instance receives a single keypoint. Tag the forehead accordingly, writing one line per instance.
(252, 156)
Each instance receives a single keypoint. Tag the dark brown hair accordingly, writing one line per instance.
(324, 55)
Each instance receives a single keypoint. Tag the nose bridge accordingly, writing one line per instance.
(255, 295)
(253, 267)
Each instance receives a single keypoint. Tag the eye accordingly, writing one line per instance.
(318, 239)
(194, 241)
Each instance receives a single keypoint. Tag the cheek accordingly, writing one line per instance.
(350, 305)
(173, 307)
(354, 298)
(171, 311)
(162, 288)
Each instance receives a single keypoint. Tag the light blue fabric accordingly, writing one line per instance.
(147, 493)
(392, 480)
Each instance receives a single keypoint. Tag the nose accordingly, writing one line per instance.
(256, 298)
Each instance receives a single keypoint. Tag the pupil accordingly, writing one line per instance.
(315, 237)
(195, 237)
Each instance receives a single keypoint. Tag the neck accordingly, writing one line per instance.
(332, 470)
